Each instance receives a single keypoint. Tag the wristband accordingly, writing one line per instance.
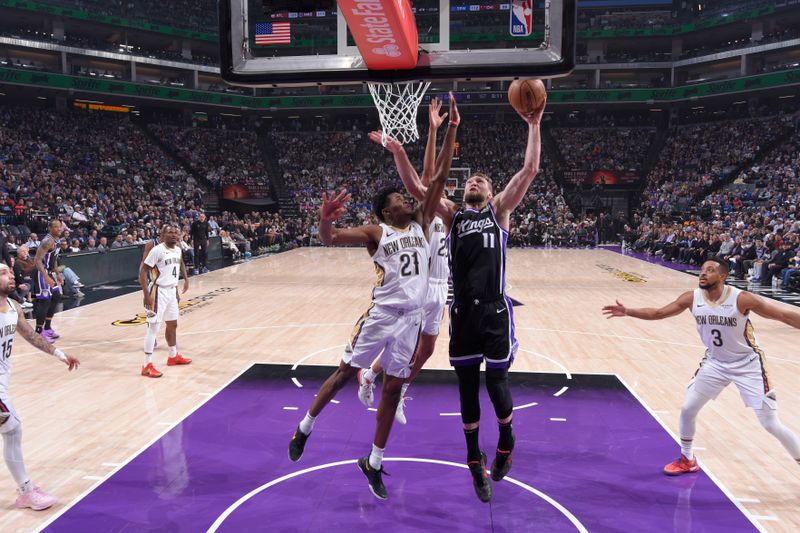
(61, 356)
(454, 124)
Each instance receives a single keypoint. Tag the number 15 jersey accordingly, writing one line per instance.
(401, 262)
(166, 264)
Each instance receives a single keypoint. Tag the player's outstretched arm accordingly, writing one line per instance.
(405, 169)
(510, 197)
(748, 301)
(37, 341)
(431, 162)
(677, 307)
(434, 194)
(332, 209)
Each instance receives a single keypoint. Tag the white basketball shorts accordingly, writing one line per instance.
(386, 332)
(435, 300)
(165, 304)
(749, 375)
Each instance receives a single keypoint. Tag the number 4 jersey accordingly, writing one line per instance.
(401, 262)
(726, 332)
(166, 264)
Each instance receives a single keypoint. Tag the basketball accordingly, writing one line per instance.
(526, 96)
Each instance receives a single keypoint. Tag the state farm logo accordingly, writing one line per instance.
(374, 21)
(390, 50)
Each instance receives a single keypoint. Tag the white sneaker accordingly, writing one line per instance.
(27, 305)
(366, 390)
(400, 415)
(36, 499)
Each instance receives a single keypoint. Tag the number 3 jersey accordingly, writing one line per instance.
(726, 332)
(477, 255)
(401, 262)
(166, 264)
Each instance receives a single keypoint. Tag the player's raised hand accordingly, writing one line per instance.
(434, 118)
(535, 118)
(392, 144)
(455, 117)
(333, 205)
(614, 310)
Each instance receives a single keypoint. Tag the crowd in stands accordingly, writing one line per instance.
(617, 148)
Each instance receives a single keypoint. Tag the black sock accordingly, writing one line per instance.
(473, 449)
(47, 323)
(506, 441)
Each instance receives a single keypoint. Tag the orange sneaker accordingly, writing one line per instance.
(682, 466)
(150, 371)
(178, 360)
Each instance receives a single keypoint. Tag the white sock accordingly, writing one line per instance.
(376, 457)
(25, 487)
(173, 351)
(148, 357)
(368, 375)
(686, 448)
(307, 424)
(403, 389)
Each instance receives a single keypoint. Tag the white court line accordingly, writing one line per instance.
(238, 503)
(335, 401)
(532, 404)
(562, 367)
(558, 419)
(449, 414)
(562, 391)
(372, 409)
(707, 471)
(118, 466)
(291, 408)
(299, 385)
(748, 500)
(111, 465)
(312, 354)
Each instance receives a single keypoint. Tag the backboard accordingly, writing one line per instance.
(299, 42)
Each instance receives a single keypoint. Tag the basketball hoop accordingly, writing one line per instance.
(397, 105)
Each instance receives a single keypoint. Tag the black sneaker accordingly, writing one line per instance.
(480, 480)
(502, 462)
(374, 478)
(297, 445)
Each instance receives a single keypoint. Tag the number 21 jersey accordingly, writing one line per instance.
(401, 262)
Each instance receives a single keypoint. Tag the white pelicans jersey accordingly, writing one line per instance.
(8, 331)
(726, 332)
(166, 264)
(440, 265)
(401, 262)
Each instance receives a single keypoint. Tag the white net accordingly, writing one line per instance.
(397, 105)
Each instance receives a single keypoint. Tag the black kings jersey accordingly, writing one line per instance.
(477, 255)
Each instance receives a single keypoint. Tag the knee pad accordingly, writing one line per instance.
(469, 382)
(497, 385)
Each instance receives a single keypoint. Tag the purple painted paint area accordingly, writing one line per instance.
(603, 464)
(656, 260)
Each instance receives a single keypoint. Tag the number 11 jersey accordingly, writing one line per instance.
(477, 255)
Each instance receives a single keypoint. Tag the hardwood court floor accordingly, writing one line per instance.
(302, 304)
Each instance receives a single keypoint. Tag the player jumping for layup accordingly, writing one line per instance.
(439, 270)
(391, 326)
(481, 315)
(12, 321)
(161, 297)
(732, 355)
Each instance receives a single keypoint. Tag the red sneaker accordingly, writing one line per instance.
(178, 360)
(150, 371)
(682, 466)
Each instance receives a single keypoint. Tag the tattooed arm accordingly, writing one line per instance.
(37, 341)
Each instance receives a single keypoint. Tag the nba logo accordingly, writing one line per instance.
(521, 18)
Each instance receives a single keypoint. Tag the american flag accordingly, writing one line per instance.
(273, 33)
